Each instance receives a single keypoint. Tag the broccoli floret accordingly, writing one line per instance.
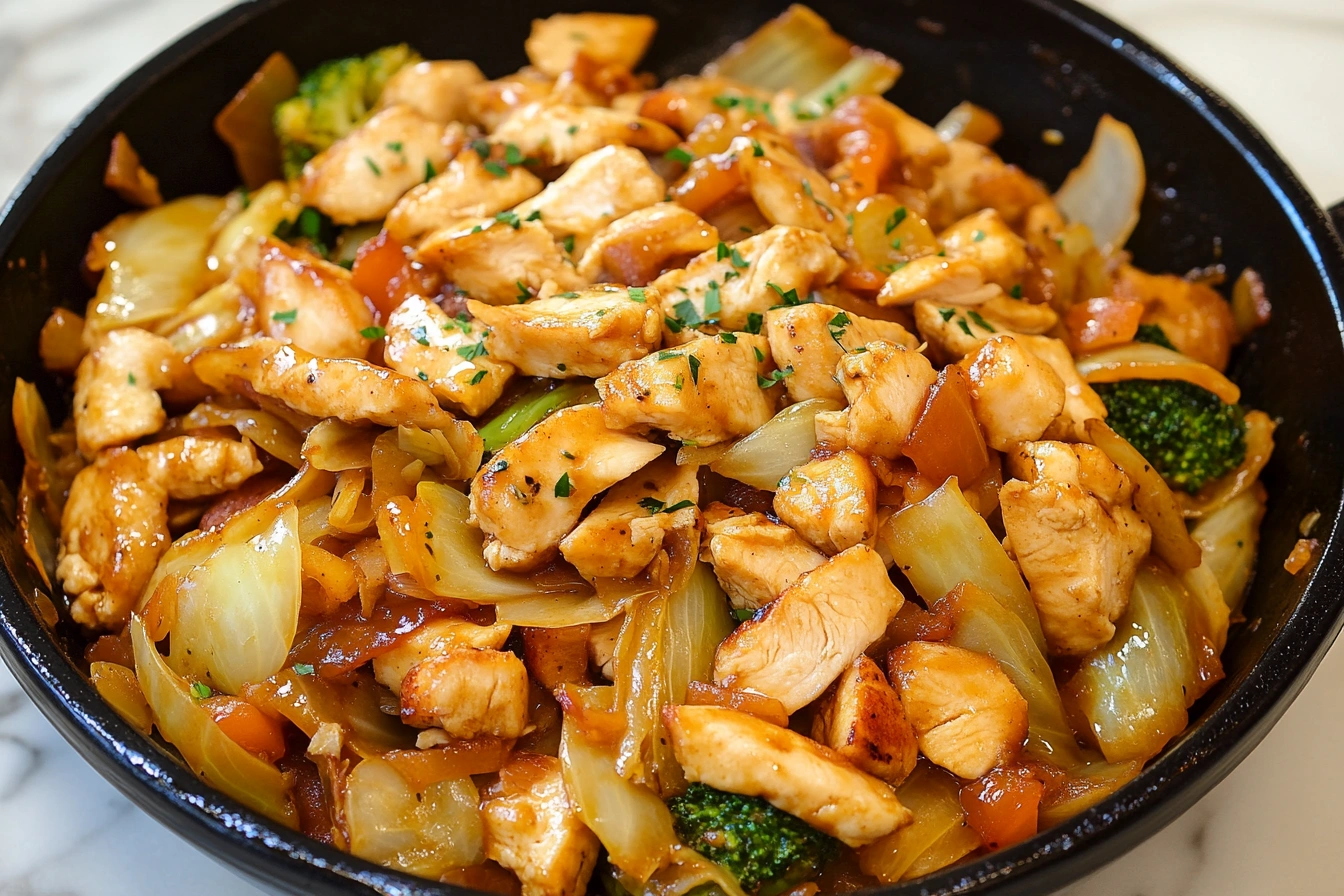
(333, 99)
(768, 851)
(1189, 434)
(1154, 334)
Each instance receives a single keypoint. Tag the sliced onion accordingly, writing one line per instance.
(119, 687)
(1228, 538)
(311, 701)
(268, 431)
(1259, 446)
(938, 836)
(1145, 361)
(967, 121)
(336, 446)
(782, 443)
(207, 750)
(1105, 190)
(565, 610)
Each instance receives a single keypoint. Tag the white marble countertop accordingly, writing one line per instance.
(1269, 828)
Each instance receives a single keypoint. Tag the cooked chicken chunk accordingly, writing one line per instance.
(188, 467)
(862, 719)
(831, 502)
(1081, 402)
(1014, 316)
(587, 333)
(489, 104)
(559, 134)
(115, 398)
(706, 391)
(638, 247)
(310, 302)
(1015, 394)
(498, 262)
(465, 190)
(364, 173)
(975, 178)
(967, 715)
(594, 191)
(812, 339)
(436, 89)
(625, 532)
(787, 190)
(345, 388)
(773, 265)
(113, 530)
(985, 239)
(952, 332)
(935, 278)
(1071, 522)
(800, 643)
(886, 386)
(534, 491)
(468, 692)
(532, 829)
(739, 753)
(446, 352)
(604, 37)
(436, 639)
(754, 558)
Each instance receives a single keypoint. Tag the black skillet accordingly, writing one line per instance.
(1218, 193)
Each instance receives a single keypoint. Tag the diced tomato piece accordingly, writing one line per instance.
(256, 732)
(947, 440)
(1003, 806)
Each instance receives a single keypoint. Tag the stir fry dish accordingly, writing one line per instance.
(571, 483)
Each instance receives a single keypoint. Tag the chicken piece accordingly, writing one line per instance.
(796, 646)
(886, 387)
(532, 829)
(189, 467)
(787, 190)
(1081, 402)
(862, 719)
(113, 530)
(812, 338)
(534, 491)
(830, 502)
(705, 392)
(1016, 317)
(310, 302)
(499, 262)
(362, 175)
(448, 351)
(967, 715)
(1196, 319)
(596, 190)
(1015, 394)
(602, 638)
(433, 639)
(774, 264)
(588, 333)
(934, 278)
(952, 332)
(754, 557)
(737, 752)
(604, 38)
(985, 239)
(465, 190)
(437, 89)
(468, 692)
(491, 103)
(348, 389)
(559, 133)
(625, 532)
(1070, 520)
(115, 399)
(975, 178)
(638, 247)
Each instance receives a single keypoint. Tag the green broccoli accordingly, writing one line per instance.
(769, 851)
(1154, 334)
(333, 99)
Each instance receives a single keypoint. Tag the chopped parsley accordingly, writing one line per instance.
(477, 377)
(730, 338)
(373, 166)
(946, 313)
(562, 486)
(200, 691)
(482, 148)
(395, 146)
(496, 169)
(512, 154)
(686, 312)
(756, 149)
(787, 299)
(572, 130)
(373, 332)
(742, 614)
(473, 351)
(303, 669)
(754, 320)
(668, 355)
(679, 382)
(760, 355)
(461, 322)
(837, 326)
(420, 335)
(713, 304)
(424, 377)
(509, 218)
(566, 455)
(1016, 291)
(130, 379)
(499, 466)
(673, 325)
(637, 294)
(568, 243)
(980, 321)
(535, 216)
(523, 292)
(807, 191)
(965, 327)
(978, 235)
(776, 376)
(679, 154)
(896, 218)
(653, 506)
(430, 173)
(286, 317)
(695, 368)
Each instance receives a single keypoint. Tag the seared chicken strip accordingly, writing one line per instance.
(310, 302)
(500, 262)
(754, 557)
(705, 391)
(432, 639)
(625, 532)
(638, 247)
(594, 191)
(559, 134)
(862, 719)
(739, 753)
(772, 268)
(588, 333)
(113, 530)
(813, 338)
(787, 191)
(967, 715)
(974, 178)
(115, 398)
(436, 89)
(447, 352)
(362, 175)
(464, 190)
(886, 387)
(188, 467)
(534, 490)
(468, 692)
(531, 828)
(603, 37)
(1070, 520)
(800, 643)
(831, 502)
(952, 332)
(935, 278)
(985, 239)
(1081, 402)
(1015, 394)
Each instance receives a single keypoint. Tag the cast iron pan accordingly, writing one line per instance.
(1218, 193)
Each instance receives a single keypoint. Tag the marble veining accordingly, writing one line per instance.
(1271, 827)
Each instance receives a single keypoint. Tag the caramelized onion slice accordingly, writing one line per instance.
(1145, 361)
